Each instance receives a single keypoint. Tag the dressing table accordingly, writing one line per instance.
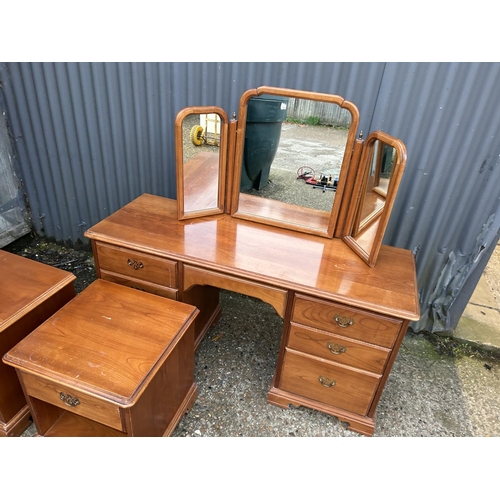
(346, 300)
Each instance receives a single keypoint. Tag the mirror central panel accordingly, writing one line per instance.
(292, 154)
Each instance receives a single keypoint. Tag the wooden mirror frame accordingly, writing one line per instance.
(282, 214)
(179, 161)
(352, 236)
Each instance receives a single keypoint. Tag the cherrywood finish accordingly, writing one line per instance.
(308, 279)
(126, 356)
(30, 292)
(366, 242)
(201, 182)
(277, 213)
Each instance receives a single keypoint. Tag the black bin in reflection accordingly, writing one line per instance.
(265, 114)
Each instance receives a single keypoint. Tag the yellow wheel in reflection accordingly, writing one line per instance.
(197, 135)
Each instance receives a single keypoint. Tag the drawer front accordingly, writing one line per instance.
(346, 321)
(137, 265)
(163, 291)
(338, 349)
(328, 383)
(87, 406)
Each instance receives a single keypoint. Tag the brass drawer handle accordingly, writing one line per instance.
(69, 400)
(336, 348)
(343, 321)
(326, 382)
(136, 264)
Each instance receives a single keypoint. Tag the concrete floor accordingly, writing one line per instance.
(480, 321)
(427, 393)
(431, 391)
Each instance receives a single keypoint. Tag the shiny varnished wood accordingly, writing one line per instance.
(327, 382)
(201, 182)
(274, 213)
(126, 355)
(274, 296)
(30, 292)
(137, 265)
(324, 292)
(338, 348)
(361, 325)
(321, 267)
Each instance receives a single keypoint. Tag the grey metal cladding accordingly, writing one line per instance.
(90, 137)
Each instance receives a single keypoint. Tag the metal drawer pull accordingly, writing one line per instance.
(343, 321)
(69, 400)
(326, 382)
(136, 264)
(336, 348)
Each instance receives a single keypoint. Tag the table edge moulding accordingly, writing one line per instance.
(324, 291)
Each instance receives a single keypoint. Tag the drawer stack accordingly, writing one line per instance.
(335, 359)
(137, 270)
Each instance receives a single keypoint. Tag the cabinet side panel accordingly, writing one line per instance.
(160, 401)
(11, 395)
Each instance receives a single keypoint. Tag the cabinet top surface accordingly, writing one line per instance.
(109, 340)
(24, 284)
(318, 266)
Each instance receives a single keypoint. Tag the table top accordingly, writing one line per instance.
(24, 284)
(322, 267)
(108, 341)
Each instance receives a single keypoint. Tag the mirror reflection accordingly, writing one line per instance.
(200, 149)
(293, 150)
(372, 199)
(381, 168)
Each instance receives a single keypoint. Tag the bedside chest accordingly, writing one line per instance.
(30, 292)
(113, 362)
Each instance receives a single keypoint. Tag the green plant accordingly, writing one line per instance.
(312, 120)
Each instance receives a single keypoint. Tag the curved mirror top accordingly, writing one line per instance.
(201, 135)
(381, 168)
(292, 153)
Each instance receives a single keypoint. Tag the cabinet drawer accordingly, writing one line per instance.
(351, 390)
(346, 321)
(163, 291)
(338, 349)
(88, 406)
(137, 265)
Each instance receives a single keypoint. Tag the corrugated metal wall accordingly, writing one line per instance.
(90, 137)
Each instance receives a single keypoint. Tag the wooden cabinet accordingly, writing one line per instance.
(335, 359)
(343, 321)
(30, 292)
(112, 362)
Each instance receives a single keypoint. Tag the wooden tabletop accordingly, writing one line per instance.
(109, 340)
(318, 266)
(24, 284)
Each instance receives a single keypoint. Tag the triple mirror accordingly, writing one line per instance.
(291, 160)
